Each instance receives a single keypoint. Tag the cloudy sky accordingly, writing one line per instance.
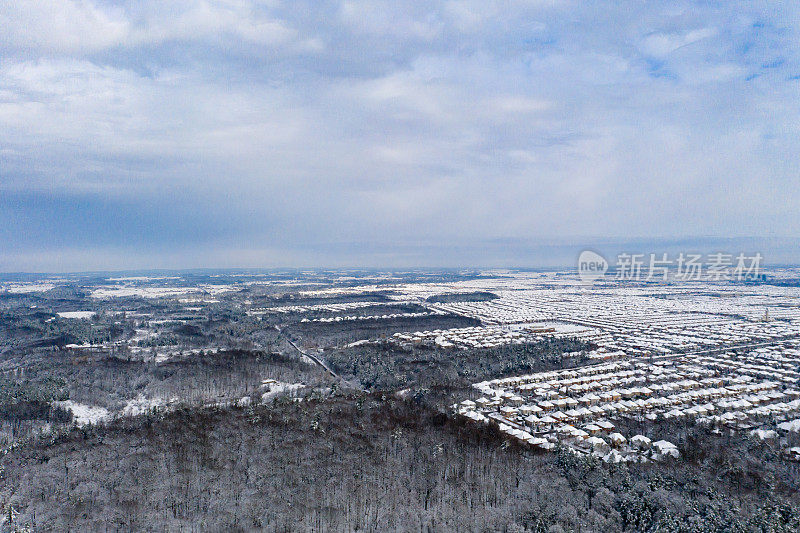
(322, 133)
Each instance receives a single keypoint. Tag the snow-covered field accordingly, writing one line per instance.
(144, 292)
(116, 291)
(77, 314)
(25, 288)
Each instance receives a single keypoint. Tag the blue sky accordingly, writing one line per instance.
(260, 134)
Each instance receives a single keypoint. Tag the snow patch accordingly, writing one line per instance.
(358, 343)
(25, 288)
(85, 414)
(279, 387)
(140, 405)
(77, 314)
(144, 292)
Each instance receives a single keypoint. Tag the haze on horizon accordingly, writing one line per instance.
(246, 134)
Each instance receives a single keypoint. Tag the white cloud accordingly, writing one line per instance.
(62, 26)
(81, 26)
(293, 123)
(664, 44)
(520, 104)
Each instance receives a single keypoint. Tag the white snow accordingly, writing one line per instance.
(144, 292)
(764, 434)
(357, 343)
(793, 426)
(280, 387)
(139, 405)
(143, 278)
(24, 288)
(85, 414)
(77, 314)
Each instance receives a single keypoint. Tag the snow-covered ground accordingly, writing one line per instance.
(140, 405)
(362, 342)
(85, 414)
(279, 387)
(144, 292)
(143, 278)
(77, 314)
(25, 288)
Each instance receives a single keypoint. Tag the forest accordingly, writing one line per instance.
(386, 366)
(373, 462)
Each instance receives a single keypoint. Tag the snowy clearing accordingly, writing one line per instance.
(85, 414)
(77, 314)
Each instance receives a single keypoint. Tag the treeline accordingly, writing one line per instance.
(370, 310)
(337, 333)
(371, 463)
(387, 366)
(457, 297)
(29, 329)
(198, 377)
(292, 298)
(26, 404)
(27, 401)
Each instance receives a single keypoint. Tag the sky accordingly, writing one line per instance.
(150, 134)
